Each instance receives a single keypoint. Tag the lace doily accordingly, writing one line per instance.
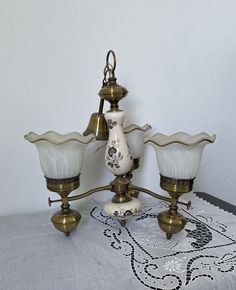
(202, 256)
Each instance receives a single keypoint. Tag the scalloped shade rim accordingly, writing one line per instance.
(181, 138)
(57, 138)
(134, 127)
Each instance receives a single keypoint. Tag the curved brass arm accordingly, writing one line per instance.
(85, 194)
(158, 196)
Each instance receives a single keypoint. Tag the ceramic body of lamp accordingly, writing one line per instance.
(118, 157)
(61, 159)
(122, 211)
(178, 157)
(119, 161)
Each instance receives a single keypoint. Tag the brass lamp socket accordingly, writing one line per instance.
(176, 185)
(63, 186)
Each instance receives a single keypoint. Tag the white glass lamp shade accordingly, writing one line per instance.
(179, 155)
(60, 156)
(135, 138)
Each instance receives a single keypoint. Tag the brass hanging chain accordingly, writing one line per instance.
(105, 72)
(109, 68)
(104, 83)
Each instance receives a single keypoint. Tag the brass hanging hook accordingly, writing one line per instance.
(111, 52)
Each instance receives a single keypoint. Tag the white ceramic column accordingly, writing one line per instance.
(118, 158)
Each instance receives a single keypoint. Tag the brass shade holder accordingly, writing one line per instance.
(63, 186)
(171, 221)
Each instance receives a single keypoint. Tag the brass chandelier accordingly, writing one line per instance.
(178, 157)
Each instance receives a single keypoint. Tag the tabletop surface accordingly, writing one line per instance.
(103, 255)
(217, 202)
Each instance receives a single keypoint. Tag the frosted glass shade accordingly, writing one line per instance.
(179, 155)
(135, 138)
(60, 156)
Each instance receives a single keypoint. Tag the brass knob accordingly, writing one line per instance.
(49, 202)
(189, 205)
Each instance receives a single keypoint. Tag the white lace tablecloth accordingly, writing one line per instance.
(103, 255)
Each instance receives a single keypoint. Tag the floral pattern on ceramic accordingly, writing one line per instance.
(122, 211)
(60, 156)
(114, 157)
(179, 155)
(118, 158)
(111, 124)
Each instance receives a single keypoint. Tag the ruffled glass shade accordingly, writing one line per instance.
(179, 155)
(135, 138)
(60, 156)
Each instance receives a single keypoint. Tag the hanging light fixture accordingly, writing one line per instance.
(61, 156)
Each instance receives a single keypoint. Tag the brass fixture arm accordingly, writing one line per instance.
(80, 196)
(89, 192)
(158, 196)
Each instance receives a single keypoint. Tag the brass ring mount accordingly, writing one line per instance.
(111, 52)
(178, 186)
